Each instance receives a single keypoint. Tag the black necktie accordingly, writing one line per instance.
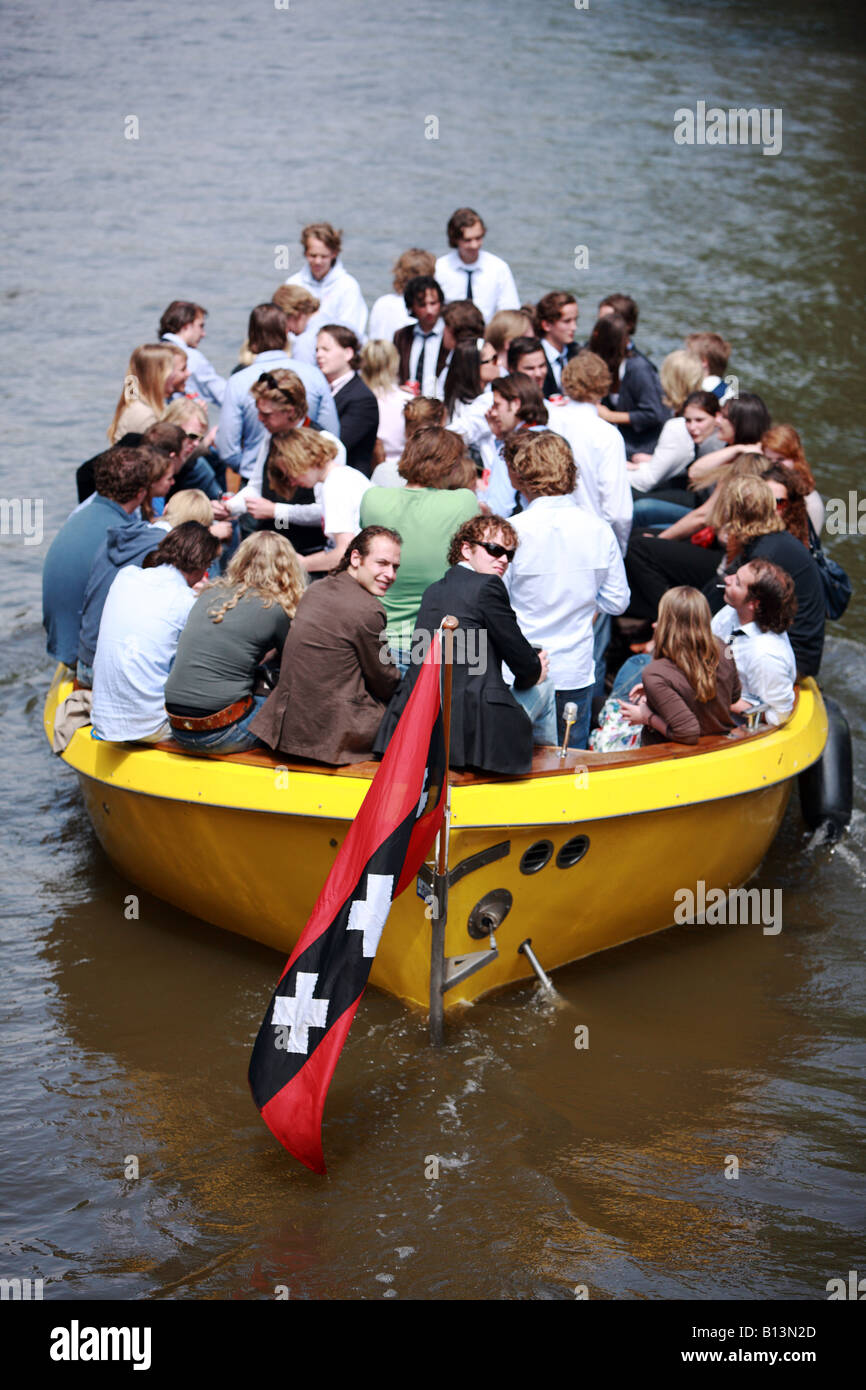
(419, 374)
(738, 632)
(469, 275)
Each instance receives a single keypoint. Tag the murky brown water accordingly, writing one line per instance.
(556, 1166)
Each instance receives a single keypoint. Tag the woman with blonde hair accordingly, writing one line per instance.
(232, 628)
(688, 688)
(380, 365)
(155, 372)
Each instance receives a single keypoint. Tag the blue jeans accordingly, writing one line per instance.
(539, 701)
(235, 738)
(579, 737)
(654, 511)
(629, 674)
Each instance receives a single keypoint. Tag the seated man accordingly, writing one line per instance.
(759, 609)
(491, 727)
(568, 568)
(714, 353)
(420, 345)
(143, 618)
(122, 479)
(336, 675)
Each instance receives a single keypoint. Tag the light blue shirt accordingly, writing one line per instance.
(241, 431)
(204, 380)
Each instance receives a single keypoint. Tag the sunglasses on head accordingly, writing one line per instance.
(496, 551)
(271, 381)
(196, 437)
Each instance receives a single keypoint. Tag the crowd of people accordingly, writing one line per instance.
(591, 520)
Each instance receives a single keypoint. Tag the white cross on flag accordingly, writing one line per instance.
(369, 915)
(300, 1013)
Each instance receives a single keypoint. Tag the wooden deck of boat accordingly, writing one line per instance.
(546, 762)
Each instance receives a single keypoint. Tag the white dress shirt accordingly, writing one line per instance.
(392, 423)
(567, 565)
(387, 316)
(599, 452)
(285, 513)
(765, 661)
(672, 455)
(493, 286)
(339, 495)
(204, 380)
(144, 615)
(431, 356)
(469, 418)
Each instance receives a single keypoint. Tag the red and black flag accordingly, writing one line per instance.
(314, 1003)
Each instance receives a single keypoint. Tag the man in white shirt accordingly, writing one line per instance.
(311, 459)
(759, 609)
(144, 614)
(468, 272)
(599, 452)
(567, 568)
(598, 447)
(338, 292)
(183, 324)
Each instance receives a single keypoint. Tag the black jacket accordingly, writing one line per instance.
(489, 730)
(358, 410)
(550, 387)
(640, 393)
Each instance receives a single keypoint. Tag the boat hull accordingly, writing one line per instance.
(259, 874)
(247, 843)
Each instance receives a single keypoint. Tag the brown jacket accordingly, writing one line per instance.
(677, 714)
(334, 683)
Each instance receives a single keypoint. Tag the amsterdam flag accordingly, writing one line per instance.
(314, 1003)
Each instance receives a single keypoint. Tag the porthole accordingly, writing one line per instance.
(572, 852)
(536, 857)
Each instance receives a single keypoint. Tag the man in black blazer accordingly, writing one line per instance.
(491, 730)
(421, 345)
(557, 315)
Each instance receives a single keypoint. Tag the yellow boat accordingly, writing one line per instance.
(585, 853)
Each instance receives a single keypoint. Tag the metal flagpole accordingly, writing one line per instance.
(440, 877)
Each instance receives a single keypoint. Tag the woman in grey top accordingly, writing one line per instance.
(231, 628)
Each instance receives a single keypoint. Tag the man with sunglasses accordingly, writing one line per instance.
(493, 728)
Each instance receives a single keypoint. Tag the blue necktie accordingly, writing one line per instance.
(469, 275)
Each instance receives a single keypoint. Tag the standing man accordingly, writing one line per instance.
(421, 346)
(240, 430)
(557, 314)
(567, 568)
(468, 272)
(336, 675)
(183, 324)
(325, 277)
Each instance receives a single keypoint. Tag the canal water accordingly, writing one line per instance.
(159, 151)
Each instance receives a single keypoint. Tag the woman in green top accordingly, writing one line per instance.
(438, 497)
(231, 627)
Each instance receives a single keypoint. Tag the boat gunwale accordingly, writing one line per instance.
(473, 797)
